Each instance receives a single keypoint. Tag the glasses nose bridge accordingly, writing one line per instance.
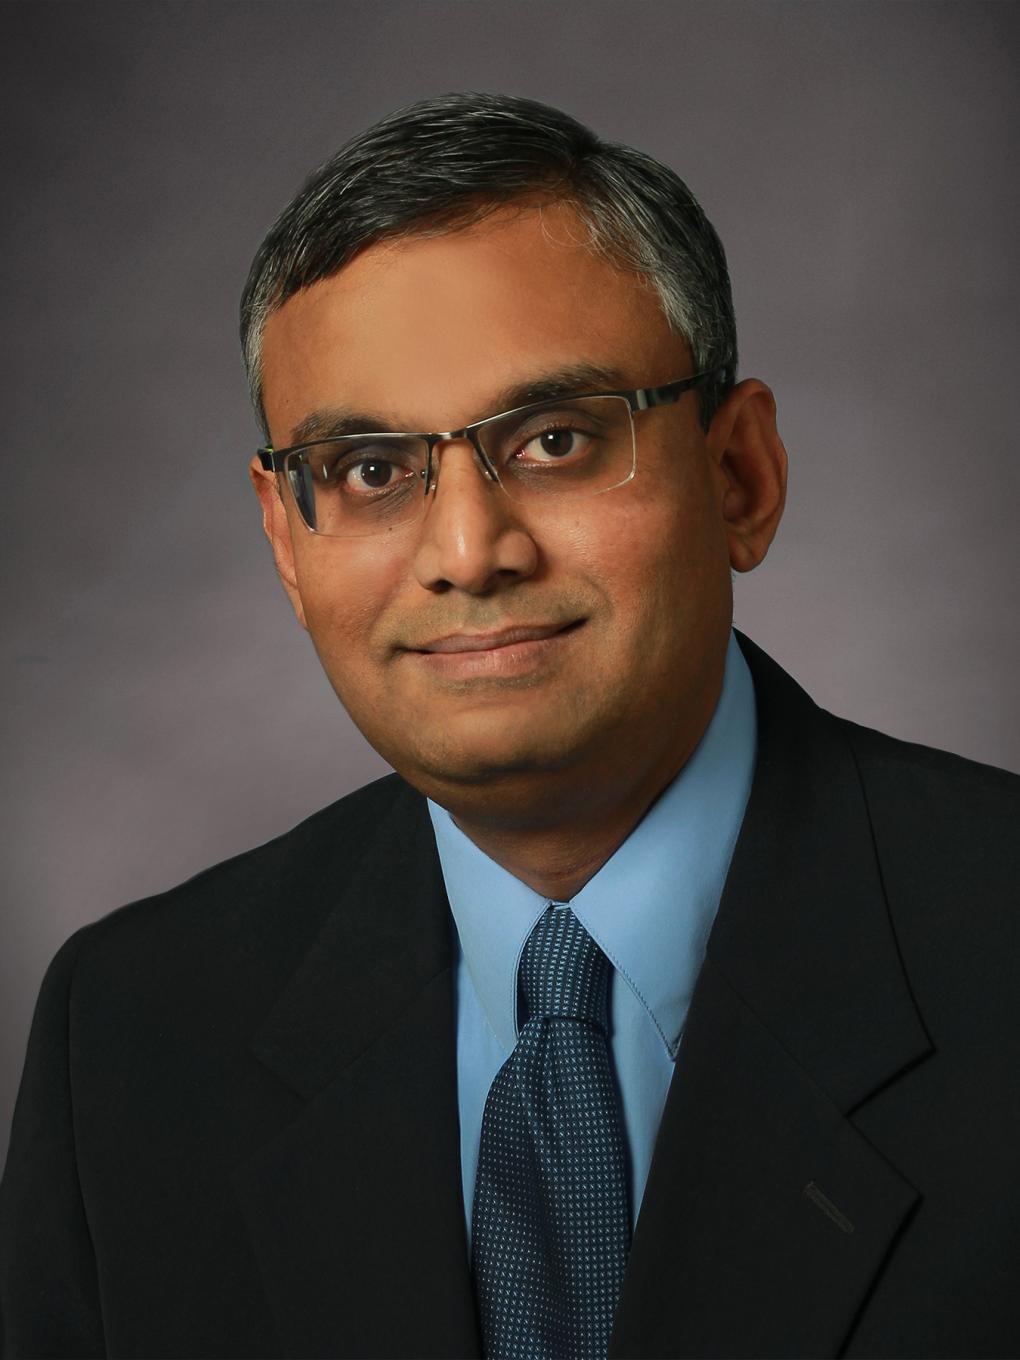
(469, 433)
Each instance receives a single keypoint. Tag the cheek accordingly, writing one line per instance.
(690, 541)
(345, 588)
(668, 578)
(667, 547)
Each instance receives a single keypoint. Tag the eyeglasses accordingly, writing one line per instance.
(553, 450)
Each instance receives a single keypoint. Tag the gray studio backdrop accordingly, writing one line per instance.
(163, 710)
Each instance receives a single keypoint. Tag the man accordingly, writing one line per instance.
(648, 1009)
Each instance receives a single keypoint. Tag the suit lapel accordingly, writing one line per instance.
(767, 1216)
(355, 1209)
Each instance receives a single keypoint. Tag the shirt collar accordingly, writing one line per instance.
(651, 905)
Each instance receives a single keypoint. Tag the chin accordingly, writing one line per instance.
(495, 758)
(490, 766)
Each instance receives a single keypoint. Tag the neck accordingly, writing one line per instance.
(556, 862)
(567, 833)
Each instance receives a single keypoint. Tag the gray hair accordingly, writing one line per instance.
(446, 163)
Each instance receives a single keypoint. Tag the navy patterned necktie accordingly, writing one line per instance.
(551, 1220)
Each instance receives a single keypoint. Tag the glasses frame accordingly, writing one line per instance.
(637, 398)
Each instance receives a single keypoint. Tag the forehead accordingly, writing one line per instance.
(426, 329)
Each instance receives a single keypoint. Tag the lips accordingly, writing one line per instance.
(504, 637)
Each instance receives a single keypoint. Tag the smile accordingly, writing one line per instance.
(506, 653)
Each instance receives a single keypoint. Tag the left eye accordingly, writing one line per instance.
(557, 443)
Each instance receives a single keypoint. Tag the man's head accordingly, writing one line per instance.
(446, 162)
(513, 657)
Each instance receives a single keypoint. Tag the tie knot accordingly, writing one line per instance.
(563, 971)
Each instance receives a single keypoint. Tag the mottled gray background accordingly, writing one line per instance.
(162, 708)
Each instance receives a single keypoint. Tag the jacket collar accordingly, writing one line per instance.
(355, 1208)
(804, 933)
(767, 1217)
(387, 937)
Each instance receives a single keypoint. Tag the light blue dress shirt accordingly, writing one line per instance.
(650, 908)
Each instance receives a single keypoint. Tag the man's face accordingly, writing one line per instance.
(623, 598)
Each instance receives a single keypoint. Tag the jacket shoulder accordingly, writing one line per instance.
(945, 831)
(923, 786)
(259, 908)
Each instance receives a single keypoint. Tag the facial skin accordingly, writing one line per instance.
(546, 752)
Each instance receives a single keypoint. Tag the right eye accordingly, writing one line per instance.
(371, 474)
(363, 472)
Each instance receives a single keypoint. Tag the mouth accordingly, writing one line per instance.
(455, 643)
(518, 653)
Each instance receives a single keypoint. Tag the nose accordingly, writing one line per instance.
(471, 538)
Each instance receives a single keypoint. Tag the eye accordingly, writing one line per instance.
(366, 472)
(555, 444)
(372, 474)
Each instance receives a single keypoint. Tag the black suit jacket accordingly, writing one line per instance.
(237, 1130)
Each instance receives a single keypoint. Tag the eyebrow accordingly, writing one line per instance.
(335, 421)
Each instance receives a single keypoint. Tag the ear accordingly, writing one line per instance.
(277, 528)
(745, 445)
